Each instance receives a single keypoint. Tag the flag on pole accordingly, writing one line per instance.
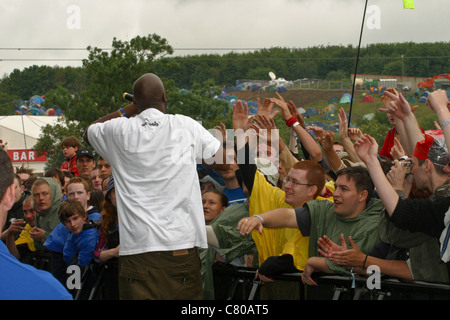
(408, 4)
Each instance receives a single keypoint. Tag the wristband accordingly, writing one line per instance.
(262, 220)
(364, 264)
(295, 124)
(122, 113)
(446, 122)
(291, 121)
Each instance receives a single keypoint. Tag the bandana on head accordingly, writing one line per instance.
(422, 147)
(432, 149)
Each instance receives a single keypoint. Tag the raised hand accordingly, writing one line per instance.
(366, 148)
(294, 111)
(267, 124)
(241, 119)
(438, 101)
(398, 106)
(397, 150)
(221, 132)
(267, 108)
(326, 140)
(355, 134)
(343, 124)
(283, 106)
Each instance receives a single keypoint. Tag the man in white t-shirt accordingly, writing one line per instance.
(153, 156)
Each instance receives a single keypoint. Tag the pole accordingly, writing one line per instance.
(356, 64)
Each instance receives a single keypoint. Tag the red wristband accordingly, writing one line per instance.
(291, 121)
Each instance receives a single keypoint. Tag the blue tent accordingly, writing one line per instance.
(346, 98)
(333, 100)
(310, 112)
(35, 111)
(411, 98)
(423, 99)
(36, 100)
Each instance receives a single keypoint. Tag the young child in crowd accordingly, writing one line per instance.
(83, 237)
(70, 147)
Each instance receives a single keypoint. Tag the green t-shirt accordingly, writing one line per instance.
(362, 228)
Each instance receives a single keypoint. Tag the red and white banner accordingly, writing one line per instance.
(26, 155)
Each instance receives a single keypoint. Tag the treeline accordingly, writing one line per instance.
(323, 62)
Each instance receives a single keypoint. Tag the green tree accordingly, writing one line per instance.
(34, 80)
(199, 104)
(50, 140)
(7, 103)
(110, 74)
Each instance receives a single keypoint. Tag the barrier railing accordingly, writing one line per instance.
(232, 283)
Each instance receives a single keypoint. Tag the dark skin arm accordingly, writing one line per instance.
(130, 110)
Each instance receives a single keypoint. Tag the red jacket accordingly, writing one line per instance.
(389, 143)
(70, 165)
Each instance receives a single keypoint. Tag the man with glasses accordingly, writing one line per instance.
(304, 182)
(353, 213)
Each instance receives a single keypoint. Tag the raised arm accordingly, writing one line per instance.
(343, 136)
(127, 111)
(367, 150)
(439, 103)
(400, 108)
(306, 139)
(326, 140)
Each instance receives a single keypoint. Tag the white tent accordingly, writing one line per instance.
(21, 132)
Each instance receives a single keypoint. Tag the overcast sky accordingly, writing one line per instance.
(191, 24)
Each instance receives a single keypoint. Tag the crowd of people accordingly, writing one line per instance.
(186, 198)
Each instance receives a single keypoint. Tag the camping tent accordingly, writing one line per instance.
(346, 98)
(333, 100)
(330, 108)
(412, 99)
(329, 112)
(368, 98)
(311, 111)
(330, 115)
(301, 110)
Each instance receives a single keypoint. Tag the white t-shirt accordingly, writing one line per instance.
(154, 160)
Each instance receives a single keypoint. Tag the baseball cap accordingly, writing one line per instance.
(85, 152)
(110, 186)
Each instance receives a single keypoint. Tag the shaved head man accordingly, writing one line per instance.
(152, 155)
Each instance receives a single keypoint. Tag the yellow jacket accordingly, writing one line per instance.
(25, 237)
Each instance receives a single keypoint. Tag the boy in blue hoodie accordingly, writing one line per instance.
(83, 234)
(77, 189)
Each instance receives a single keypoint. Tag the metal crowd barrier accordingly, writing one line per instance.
(234, 283)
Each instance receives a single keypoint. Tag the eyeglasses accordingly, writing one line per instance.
(295, 183)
